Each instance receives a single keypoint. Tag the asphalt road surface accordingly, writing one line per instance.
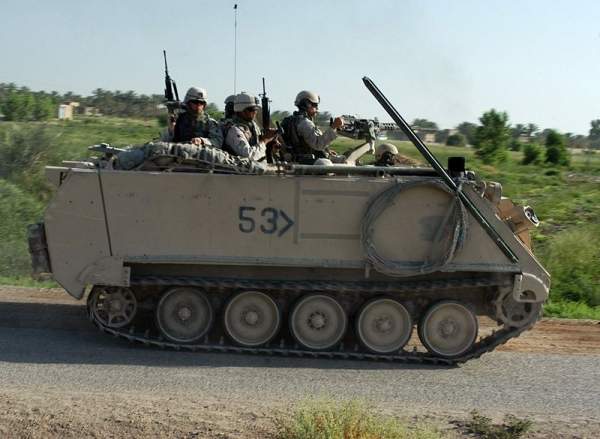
(48, 346)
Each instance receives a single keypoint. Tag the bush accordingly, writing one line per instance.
(511, 428)
(556, 151)
(456, 140)
(349, 420)
(163, 119)
(492, 137)
(515, 145)
(23, 155)
(531, 154)
(17, 209)
(573, 259)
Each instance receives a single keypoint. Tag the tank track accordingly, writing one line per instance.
(482, 346)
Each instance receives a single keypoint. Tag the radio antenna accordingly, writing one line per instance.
(234, 47)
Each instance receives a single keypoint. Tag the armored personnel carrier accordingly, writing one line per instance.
(187, 247)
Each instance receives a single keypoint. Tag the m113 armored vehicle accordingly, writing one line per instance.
(186, 247)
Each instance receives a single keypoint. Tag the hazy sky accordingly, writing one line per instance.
(447, 61)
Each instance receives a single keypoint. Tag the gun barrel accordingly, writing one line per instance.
(266, 111)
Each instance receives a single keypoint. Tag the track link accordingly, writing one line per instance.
(484, 345)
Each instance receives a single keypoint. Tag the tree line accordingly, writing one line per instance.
(23, 104)
(492, 137)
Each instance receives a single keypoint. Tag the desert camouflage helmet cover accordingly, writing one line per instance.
(306, 95)
(195, 94)
(383, 148)
(243, 101)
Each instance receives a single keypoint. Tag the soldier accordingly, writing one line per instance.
(229, 107)
(194, 125)
(244, 137)
(301, 133)
(385, 154)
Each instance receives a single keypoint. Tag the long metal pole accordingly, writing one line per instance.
(234, 48)
(408, 131)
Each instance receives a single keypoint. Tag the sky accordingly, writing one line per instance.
(446, 61)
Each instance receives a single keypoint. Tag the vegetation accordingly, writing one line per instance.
(565, 197)
(482, 427)
(456, 140)
(346, 420)
(556, 151)
(532, 154)
(492, 137)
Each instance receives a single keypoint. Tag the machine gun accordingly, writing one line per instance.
(172, 101)
(368, 130)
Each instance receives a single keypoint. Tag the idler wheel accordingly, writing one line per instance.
(318, 322)
(448, 329)
(384, 325)
(251, 318)
(184, 315)
(113, 307)
(516, 314)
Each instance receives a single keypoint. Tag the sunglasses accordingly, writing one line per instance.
(196, 102)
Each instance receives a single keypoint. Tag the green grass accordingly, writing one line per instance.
(346, 420)
(567, 200)
(571, 310)
(73, 137)
(27, 281)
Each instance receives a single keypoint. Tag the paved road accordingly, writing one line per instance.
(52, 347)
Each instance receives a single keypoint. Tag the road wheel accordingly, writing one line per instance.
(184, 315)
(114, 307)
(251, 318)
(384, 325)
(448, 329)
(318, 322)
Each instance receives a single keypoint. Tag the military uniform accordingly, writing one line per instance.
(243, 139)
(189, 126)
(303, 136)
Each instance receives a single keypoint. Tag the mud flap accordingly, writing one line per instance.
(38, 249)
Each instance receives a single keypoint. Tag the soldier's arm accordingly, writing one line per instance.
(313, 136)
(237, 141)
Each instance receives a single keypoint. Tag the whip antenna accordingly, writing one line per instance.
(234, 47)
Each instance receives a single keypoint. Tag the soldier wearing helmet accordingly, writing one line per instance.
(229, 113)
(301, 134)
(194, 125)
(385, 154)
(244, 137)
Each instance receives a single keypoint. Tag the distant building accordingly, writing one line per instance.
(91, 111)
(66, 110)
(427, 135)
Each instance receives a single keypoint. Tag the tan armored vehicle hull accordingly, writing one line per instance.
(343, 262)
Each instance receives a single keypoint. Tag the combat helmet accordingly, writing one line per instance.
(229, 106)
(306, 96)
(195, 94)
(383, 148)
(244, 100)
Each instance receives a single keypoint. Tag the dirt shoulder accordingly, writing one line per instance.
(73, 415)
